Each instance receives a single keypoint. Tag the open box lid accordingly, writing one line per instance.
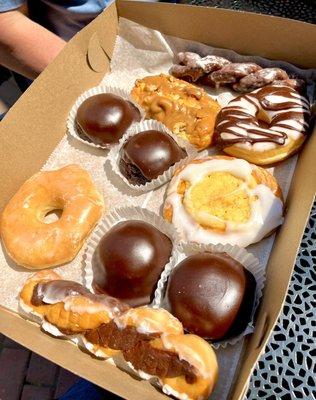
(37, 122)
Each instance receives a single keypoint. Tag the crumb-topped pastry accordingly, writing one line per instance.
(223, 199)
(264, 126)
(185, 109)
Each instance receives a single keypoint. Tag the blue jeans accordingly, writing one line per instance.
(84, 390)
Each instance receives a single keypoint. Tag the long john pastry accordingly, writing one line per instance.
(150, 340)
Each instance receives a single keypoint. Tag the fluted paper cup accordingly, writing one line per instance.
(126, 214)
(239, 254)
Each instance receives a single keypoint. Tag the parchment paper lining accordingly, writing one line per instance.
(138, 52)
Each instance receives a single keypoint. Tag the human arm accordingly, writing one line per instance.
(25, 46)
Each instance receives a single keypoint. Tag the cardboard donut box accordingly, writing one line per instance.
(37, 122)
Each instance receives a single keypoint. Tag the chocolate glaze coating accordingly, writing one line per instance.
(128, 261)
(104, 118)
(147, 155)
(211, 294)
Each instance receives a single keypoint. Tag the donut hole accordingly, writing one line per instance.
(216, 199)
(52, 216)
(263, 119)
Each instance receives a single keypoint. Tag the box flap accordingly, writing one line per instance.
(246, 33)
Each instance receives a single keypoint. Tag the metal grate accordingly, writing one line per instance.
(304, 10)
(287, 370)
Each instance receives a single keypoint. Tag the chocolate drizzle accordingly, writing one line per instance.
(57, 291)
(137, 350)
(238, 121)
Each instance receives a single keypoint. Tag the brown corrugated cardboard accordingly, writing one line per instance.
(36, 123)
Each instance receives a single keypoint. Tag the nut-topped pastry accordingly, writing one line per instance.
(222, 199)
(264, 126)
(185, 109)
(147, 155)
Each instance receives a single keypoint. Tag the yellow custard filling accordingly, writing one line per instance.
(220, 195)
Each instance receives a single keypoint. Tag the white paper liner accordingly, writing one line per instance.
(150, 124)
(239, 254)
(125, 214)
(71, 120)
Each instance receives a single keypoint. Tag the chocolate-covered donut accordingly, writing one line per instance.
(147, 155)
(104, 118)
(211, 294)
(128, 261)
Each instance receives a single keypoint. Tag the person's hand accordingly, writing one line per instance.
(25, 46)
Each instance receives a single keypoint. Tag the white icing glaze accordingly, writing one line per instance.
(266, 211)
(92, 349)
(237, 113)
(52, 329)
(90, 307)
(186, 353)
(169, 391)
(140, 373)
(145, 324)
(51, 293)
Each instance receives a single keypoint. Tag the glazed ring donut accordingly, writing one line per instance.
(265, 126)
(223, 200)
(30, 241)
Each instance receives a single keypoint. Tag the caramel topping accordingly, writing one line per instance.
(185, 109)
